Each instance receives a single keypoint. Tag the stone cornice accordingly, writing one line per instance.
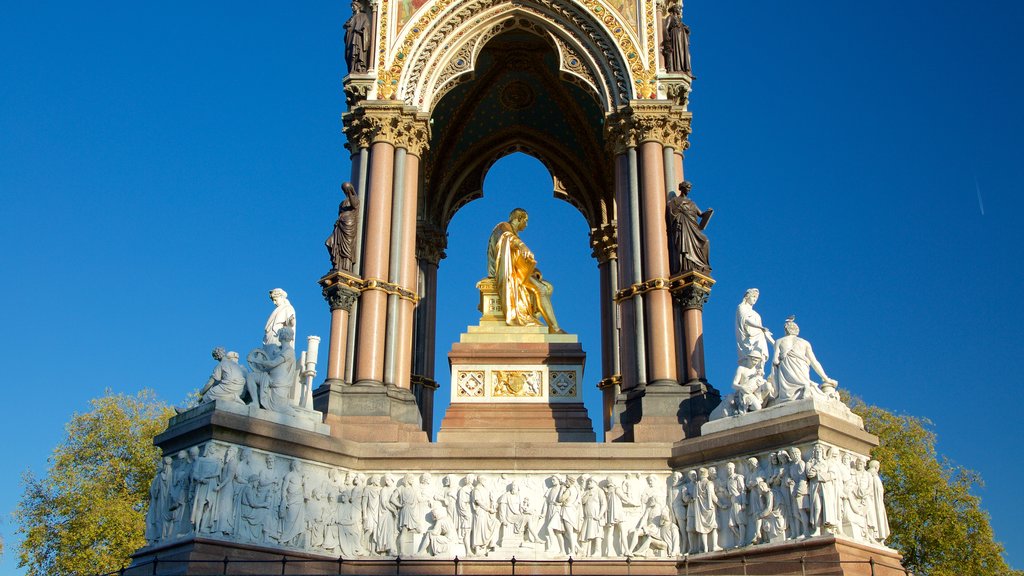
(647, 121)
(400, 126)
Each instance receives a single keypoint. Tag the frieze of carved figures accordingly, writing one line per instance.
(234, 493)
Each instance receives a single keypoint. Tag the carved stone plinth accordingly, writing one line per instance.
(662, 413)
(789, 429)
(513, 383)
(375, 413)
(820, 556)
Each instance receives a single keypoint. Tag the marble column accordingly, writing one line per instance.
(360, 177)
(431, 243)
(661, 332)
(408, 274)
(341, 297)
(603, 240)
(379, 406)
(369, 363)
(628, 357)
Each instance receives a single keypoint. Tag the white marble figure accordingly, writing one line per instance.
(551, 530)
(797, 482)
(205, 475)
(516, 516)
(689, 496)
(464, 509)
(255, 505)
(677, 488)
(227, 383)
(405, 499)
(706, 503)
(737, 521)
(879, 519)
(752, 337)
(616, 537)
(237, 494)
(485, 522)
(274, 373)
(292, 510)
(181, 492)
(752, 390)
(282, 316)
(659, 537)
(821, 488)
(569, 502)
(791, 369)
(593, 505)
(224, 508)
(159, 520)
(269, 486)
(385, 534)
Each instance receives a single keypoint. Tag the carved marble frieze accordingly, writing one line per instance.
(233, 493)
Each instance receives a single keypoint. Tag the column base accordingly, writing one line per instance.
(369, 412)
(662, 412)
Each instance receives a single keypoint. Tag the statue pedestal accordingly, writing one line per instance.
(516, 384)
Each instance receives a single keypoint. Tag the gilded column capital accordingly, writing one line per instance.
(645, 121)
(620, 132)
(340, 296)
(691, 289)
(430, 243)
(401, 126)
(604, 242)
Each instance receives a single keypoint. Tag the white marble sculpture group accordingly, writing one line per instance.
(790, 376)
(275, 381)
(234, 493)
(242, 495)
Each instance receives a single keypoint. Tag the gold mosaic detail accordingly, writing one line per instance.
(644, 74)
(516, 384)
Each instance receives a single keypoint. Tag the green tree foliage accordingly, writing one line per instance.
(937, 523)
(87, 515)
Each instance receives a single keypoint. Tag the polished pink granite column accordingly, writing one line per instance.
(661, 349)
(407, 275)
(369, 365)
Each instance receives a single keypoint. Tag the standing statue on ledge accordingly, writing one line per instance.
(341, 244)
(688, 244)
(794, 359)
(751, 336)
(525, 296)
(282, 316)
(675, 40)
(358, 40)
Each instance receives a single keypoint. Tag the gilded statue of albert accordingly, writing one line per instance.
(524, 294)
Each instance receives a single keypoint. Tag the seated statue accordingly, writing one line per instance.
(525, 296)
(794, 359)
(275, 373)
(227, 381)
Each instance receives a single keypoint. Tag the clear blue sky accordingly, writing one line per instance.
(164, 164)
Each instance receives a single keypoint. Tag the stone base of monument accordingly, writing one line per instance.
(820, 556)
(661, 413)
(370, 413)
(516, 383)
